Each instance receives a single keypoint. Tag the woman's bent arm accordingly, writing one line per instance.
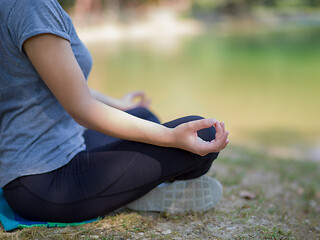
(54, 60)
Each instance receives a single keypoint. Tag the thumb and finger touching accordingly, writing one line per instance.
(221, 138)
(136, 99)
(202, 123)
(202, 147)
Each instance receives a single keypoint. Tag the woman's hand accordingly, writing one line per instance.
(133, 100)
(128, 101)
(185, 137)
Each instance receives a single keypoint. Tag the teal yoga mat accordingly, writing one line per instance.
(10, 220)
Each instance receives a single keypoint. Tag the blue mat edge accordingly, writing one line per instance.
(10, 220)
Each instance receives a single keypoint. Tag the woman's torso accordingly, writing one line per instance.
(36, 134)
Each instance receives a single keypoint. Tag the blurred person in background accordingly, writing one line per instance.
(51, 168)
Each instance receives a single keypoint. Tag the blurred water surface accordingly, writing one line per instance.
(264, 85)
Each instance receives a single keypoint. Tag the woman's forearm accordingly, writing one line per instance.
(108, 120)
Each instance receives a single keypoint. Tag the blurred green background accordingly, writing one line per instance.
(251, 63)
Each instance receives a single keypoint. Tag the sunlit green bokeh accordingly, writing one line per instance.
(264, 85)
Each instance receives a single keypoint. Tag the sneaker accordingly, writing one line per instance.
(198, 194)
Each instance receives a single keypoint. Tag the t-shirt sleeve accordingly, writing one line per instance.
(33, 17)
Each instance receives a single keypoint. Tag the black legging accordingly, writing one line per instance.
(104, 178)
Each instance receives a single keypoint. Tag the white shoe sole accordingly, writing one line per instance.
(198, 194)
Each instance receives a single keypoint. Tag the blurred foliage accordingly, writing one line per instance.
(123, 4)
(211, 3)
(67, 3)
(133, 3)
(243, 8)
(203, 9)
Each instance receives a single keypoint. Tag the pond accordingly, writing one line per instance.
(264, 85)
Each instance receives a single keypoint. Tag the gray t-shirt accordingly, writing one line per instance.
(36, 134)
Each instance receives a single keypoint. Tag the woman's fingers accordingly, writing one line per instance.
(143, 101)
(201, 124)
(224, 146)
(219, 129)
(141, 95)
(208, 147)
(223, 126)
(221, 140)
(216, 145)
(185, 135)
(136, 99)
(133, 95)
(146, 103)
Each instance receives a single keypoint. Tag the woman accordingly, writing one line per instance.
(47, 172)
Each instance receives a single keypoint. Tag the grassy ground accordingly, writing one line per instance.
(285, 205)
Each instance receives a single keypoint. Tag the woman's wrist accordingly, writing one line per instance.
(168, 137)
